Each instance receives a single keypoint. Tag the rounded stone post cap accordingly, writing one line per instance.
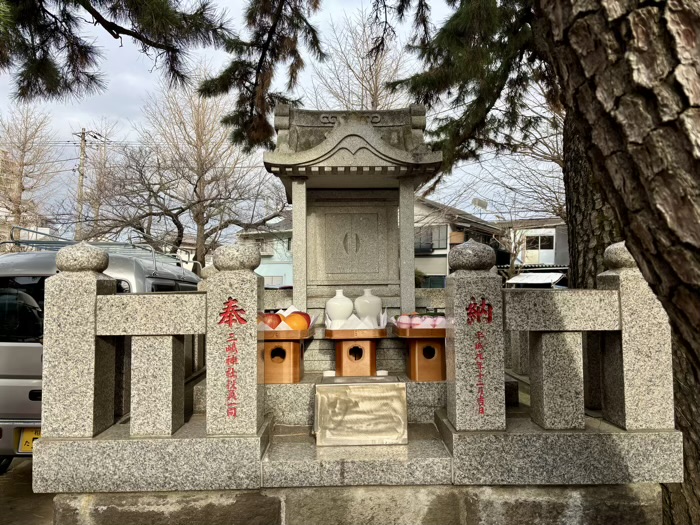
(471, 255)
(208, 271)
(82, 257)
(241, 256)
(617, 256)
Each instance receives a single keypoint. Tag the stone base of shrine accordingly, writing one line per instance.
(525, 454)
(115, 462)
(287, 456)
(443, 505)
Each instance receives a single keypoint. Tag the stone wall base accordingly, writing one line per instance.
(638, 504)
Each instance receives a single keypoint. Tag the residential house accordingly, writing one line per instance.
(538, 243)
(438, 227)
(275, 240)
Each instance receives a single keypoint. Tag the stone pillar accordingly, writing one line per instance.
(78, 367)
(637, 370)
(200, 340)
(507, 349)
(299, 242)
(235, 369)
(592, 369)
(520, 357)
(407, 269)
(556, 380)
(157, 385)
(474, 344)
(122, 376)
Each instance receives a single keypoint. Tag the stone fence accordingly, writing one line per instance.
(82, 449)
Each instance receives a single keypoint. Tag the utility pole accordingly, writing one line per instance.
(81, 184)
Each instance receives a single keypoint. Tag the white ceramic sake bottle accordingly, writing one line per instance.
(338, 309)
(368, 305)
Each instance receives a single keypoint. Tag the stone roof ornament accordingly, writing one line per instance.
(617, 256)
(82, 257)
(241, 256)
(362, 149)
(471, 255)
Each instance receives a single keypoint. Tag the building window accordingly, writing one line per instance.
(274, 280)
(539, 242)
(539, 249)
(433, 281)
(431, 237)
(289, 244)
(266, 247)
(547, 242)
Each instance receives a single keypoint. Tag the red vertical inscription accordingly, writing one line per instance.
(232, 314)
(478, 312)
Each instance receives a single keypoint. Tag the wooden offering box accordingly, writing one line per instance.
(356, 351)
(426, 352)
(283, 353)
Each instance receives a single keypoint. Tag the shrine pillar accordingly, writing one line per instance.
(407, 268)
(235, 368)
(474, 343)
(299, 242)
(637, 371)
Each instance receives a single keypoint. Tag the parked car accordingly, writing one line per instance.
(22, 279)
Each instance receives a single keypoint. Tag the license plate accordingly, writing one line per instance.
(27, 438)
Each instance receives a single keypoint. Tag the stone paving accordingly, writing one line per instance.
(18, 504)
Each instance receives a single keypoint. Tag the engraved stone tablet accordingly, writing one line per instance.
(361, 411)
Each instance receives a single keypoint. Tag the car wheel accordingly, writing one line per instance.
(5, 463)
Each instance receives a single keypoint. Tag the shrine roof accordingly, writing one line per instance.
(352, 149)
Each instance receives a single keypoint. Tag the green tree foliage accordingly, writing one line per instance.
(4, 15)
(276, 29)
(479, 66)
(50, 57)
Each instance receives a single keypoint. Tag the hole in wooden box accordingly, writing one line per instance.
(429, 352)
(278, 355)
(355, 353)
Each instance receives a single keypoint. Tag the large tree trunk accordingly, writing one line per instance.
(632, 72)
(591, 223)
(680, 499)
(592, 228)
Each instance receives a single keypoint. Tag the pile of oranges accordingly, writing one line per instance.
(295, 320)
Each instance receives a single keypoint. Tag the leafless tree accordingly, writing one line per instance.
(29, 163)
(533, 170)
(182, 176)
(101, 165)
(350, 78)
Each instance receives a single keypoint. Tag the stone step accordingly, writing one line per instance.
(293, 460)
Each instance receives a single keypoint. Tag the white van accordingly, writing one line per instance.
(22, 278)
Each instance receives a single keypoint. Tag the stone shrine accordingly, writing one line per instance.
(220, 444)
(351, 178)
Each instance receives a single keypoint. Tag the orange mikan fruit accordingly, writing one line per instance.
(296, 321)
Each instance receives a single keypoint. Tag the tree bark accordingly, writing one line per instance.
(591, 222)
(632, 70)
(680, 499)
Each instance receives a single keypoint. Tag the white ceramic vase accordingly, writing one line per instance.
(338, 309)
(368, 305)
